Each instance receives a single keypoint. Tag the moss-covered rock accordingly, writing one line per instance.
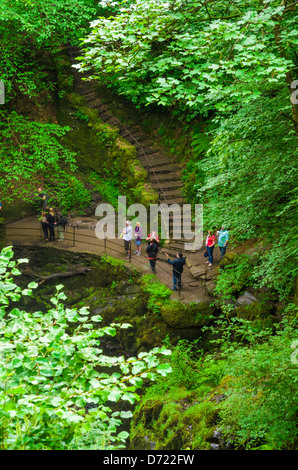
(228, 259)
(174, 421)
(179, 315)
(260, 314)
(254, 311)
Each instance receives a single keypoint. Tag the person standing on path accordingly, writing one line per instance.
(51, 223)
(45, 226)
(138, 237)
(154, 236)
(177, 264)
(42, 200)
(127, 237)
(59, 224)
(223, 239)
(210, 243)
(151, 251)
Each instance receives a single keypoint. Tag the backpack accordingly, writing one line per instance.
(63, 220)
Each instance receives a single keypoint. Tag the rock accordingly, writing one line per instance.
(197, 272)
(179, 315)
(246, 299)
(215, 447)
(255, 311)
(228, 259)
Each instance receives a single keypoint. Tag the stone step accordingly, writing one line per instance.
(137, 138)
(86, 92)
(150, 161)
(93, 102)
(147, 150)
(105, 117)
(166, 168)
(163, 177)
(173, 192)
(103, 108)
(168, 185)
(169, 201)
(145, 146)
(134, 128)
(174, 198)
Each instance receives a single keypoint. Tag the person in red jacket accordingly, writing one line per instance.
(210, 243)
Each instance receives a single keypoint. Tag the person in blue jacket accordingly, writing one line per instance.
(223, 240)
(177, 264)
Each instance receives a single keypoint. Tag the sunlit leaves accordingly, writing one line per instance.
(53, 373)
(187, 55)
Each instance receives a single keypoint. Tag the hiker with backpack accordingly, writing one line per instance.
(151, 251)
(60, 223)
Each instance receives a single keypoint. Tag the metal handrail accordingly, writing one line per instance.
(104, 246)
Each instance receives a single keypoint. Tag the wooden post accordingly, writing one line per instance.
(74, 237)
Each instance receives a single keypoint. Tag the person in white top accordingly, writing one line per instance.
(127, 237)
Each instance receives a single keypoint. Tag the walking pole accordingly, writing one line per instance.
(130, 251)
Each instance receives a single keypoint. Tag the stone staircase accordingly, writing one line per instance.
(164, 173)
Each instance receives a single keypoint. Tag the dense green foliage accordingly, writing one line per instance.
(232, 64)
(190, 55)
(31, 27)
(52, 367)
(245, 391)
(224, 72)
(33, 33)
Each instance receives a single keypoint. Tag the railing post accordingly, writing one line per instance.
(105, 245)
(74, 236)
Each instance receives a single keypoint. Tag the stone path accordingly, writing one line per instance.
(80, 237)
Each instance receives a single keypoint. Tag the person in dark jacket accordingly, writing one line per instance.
(59, 224)
(45, 226)
(151, 251)
(42, 200)
(51, 219)
(177, 264)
